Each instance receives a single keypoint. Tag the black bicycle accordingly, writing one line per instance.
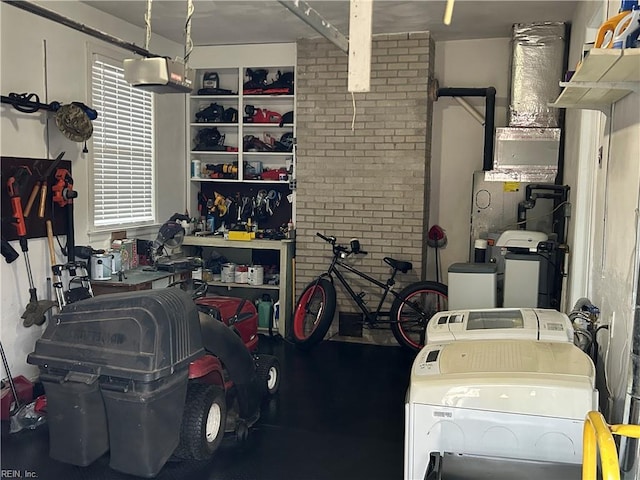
(410, 311)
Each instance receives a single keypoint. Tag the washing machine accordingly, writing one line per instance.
(500, 323)
(500, 400)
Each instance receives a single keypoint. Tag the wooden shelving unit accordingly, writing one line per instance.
(284, 289)
(605, 76)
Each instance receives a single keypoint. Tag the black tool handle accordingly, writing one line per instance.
(8, 252)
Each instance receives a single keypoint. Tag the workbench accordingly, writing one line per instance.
(138, 279)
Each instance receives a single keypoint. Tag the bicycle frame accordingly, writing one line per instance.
(372, 316)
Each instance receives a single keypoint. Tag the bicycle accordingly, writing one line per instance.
(410, 311)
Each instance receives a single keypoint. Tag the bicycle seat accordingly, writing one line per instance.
(404, 267)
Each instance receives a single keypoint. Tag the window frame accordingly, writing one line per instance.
(115, 57)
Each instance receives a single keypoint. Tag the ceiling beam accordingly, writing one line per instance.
(308, 15)
(360, 18)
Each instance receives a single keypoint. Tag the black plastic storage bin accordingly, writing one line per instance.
(123, 360)
(76, 416)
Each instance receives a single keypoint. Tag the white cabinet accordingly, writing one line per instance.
(242, 124)
(604, 77)
(283, 291)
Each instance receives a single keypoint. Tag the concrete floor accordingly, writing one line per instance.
(338, 415)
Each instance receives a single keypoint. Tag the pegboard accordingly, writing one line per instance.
(36, 227)
(281, 213)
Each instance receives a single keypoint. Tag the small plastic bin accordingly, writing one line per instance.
(144, 421)
(115, 371)
(76, 416)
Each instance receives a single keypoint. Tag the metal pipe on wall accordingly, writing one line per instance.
(56, 17)
(490, 111)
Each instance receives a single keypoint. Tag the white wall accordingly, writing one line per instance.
(25, 135)
(608, 191)
(458, 139)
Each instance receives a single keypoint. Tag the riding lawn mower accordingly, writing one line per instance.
(152, 375)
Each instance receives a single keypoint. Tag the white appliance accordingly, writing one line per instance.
(473, 285)
(521, 239)
(509, 399)
(500, 323)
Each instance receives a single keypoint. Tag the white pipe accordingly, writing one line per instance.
(469, 108)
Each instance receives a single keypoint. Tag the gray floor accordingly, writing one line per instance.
(338, 415)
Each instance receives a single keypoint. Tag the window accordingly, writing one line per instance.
(123, 153)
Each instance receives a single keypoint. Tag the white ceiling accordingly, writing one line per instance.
(226, 22)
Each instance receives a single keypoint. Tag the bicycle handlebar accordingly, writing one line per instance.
(331, 240)
(339, 248)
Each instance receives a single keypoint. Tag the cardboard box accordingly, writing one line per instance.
(129, 252)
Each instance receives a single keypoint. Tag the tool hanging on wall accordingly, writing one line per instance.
(35, 310)
(63, 195)
(8, 252)
(73, 119)
(42, 186)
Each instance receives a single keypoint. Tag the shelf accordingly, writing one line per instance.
(211, 152)
(268, 154)
(229, 286)
(262, 97)
(254, 126)
(285, 288)
(208, 241)
(214, 97)
(604, 77)
(214, 179)
(284, 182)
(213, 124)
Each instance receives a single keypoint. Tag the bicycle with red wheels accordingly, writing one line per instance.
(411, 310)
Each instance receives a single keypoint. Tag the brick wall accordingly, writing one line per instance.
(372, 181)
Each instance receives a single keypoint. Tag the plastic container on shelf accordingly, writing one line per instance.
(606, 32)
(265, 311)
(626, 33)
(196, 168)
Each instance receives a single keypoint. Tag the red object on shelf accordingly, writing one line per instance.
(24, 388)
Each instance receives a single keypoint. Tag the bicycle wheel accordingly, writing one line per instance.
(412, 310)
(314, 313)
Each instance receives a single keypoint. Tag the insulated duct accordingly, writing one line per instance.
(490, 112)
(537, 64)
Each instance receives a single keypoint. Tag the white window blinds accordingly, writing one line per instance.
(123, 170)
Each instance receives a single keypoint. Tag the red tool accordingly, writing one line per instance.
(34, 313)
(63, 195)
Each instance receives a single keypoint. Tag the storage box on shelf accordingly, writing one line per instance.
(242, 251)
(604, 77)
